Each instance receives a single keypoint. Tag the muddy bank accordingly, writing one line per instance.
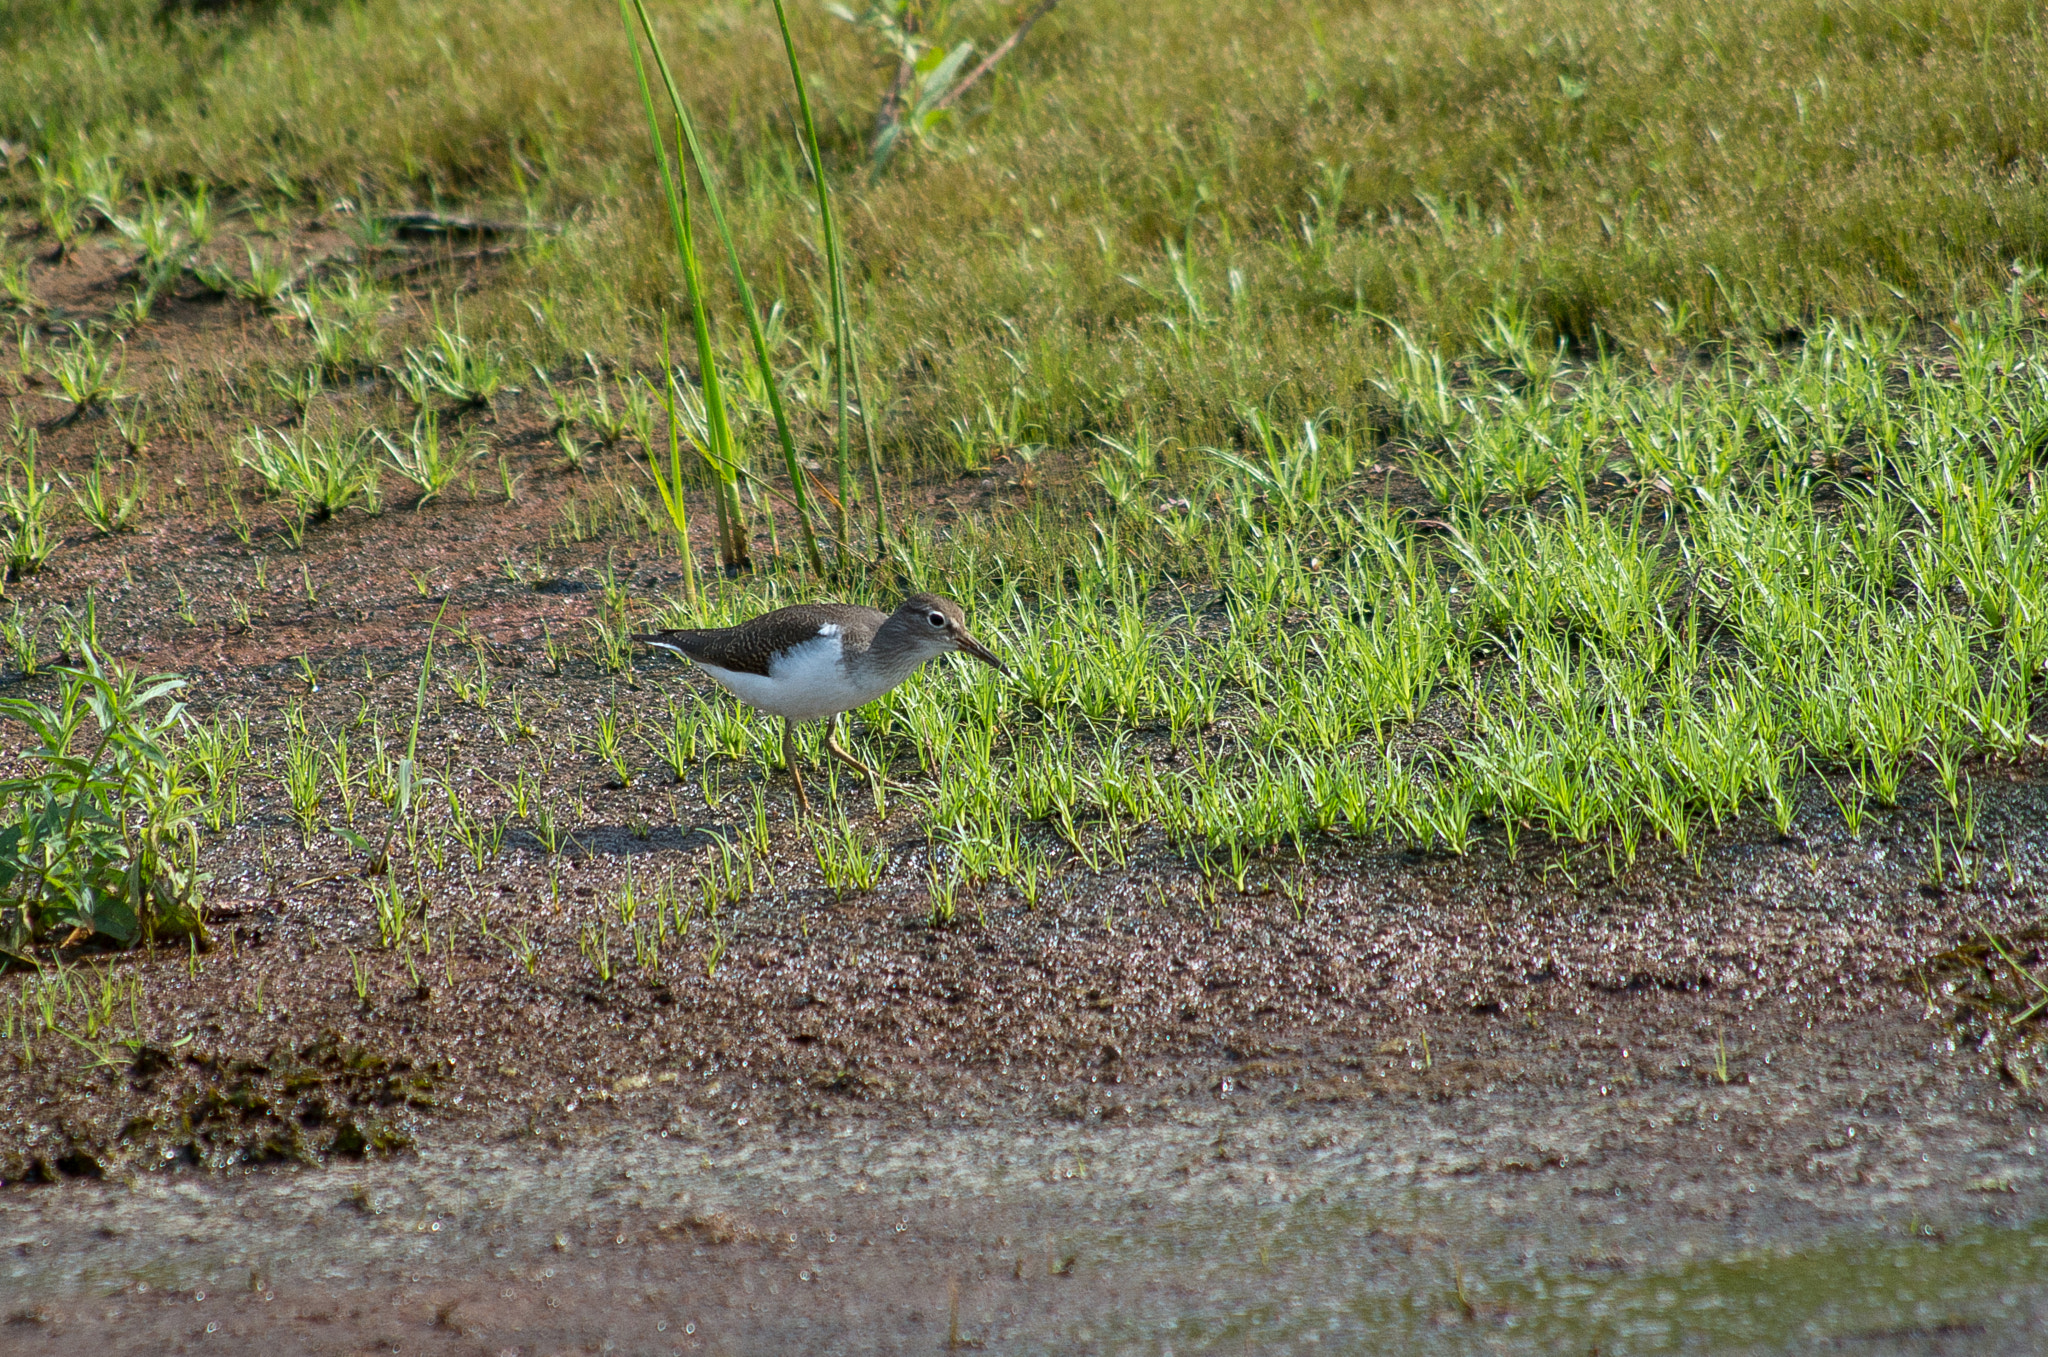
(1856, 1185)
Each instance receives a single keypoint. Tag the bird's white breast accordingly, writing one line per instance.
(807, 682)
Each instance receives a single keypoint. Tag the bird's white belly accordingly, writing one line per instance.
(805, 683)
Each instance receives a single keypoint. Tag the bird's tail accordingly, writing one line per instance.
(671, 641)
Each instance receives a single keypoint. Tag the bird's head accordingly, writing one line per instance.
(936, 625)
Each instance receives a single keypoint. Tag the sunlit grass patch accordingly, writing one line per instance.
(1659, 644)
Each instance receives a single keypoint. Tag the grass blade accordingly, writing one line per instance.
(671, 486)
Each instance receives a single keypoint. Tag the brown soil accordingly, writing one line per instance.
(1378, 987)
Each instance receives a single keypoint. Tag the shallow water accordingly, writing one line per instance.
(1327, 1293)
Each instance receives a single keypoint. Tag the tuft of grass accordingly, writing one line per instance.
(425, 458)
(135, 423)
(104, 503)
(268, 283)
(15, 288)
(24, 644)
(469, 372)
(315, 475)
(86, 372)
(845, 860)
(65, 188)
(299, 387)
(341, 321)
(27, 538)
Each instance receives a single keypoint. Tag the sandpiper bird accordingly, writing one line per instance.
(813, 661)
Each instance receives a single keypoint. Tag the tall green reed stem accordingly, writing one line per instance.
(842, 322)
(670, 485)
(720, 449)
(678, 198)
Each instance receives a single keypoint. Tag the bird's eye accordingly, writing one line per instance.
(936, 619)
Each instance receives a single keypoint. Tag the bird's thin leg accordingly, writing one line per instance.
(832, 744)
(789, 758)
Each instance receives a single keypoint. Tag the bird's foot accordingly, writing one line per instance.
(832, 745)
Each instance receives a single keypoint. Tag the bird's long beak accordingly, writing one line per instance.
(970, 646)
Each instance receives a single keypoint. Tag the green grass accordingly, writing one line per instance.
(1824, 560)
(314, 476)
(1161, 221)
(1571, 424)
(1789, 584)
(1798, 587)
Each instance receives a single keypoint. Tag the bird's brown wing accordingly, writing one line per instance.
(751, 647)
(710, 645)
